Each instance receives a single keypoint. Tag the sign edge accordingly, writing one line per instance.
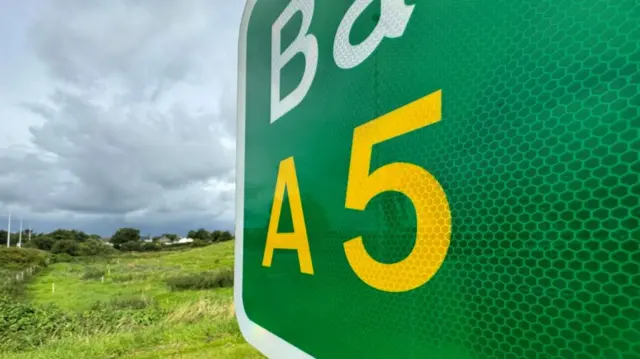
(266, 342)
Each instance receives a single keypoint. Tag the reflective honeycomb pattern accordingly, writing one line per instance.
(538, 154)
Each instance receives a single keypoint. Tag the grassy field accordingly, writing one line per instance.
(124, 308)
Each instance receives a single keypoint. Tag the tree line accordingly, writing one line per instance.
(75, 243)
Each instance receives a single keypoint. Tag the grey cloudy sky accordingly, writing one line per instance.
(118, 112)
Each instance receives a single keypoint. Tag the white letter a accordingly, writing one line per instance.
(393, 21)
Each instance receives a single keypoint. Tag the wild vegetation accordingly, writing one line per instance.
(66, 243)
(161, 304)
(207, 280)
(18, 265)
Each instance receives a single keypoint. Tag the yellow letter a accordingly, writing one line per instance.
(298, 239)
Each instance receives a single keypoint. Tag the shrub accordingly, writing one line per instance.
(94, 247)
(93, 273)
(21, 258)
(129, 302)
(206, 280)
(200, 243)
(62, 258)
(18, 319)
(177, 246)
(125, 277)
(67, 246)
(24, 326)
(15, 261)
(150, 247)
(43, 242)
(131, 246)
(12, 289)
(225, 236)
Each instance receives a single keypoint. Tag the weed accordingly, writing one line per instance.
(207, 280)
(200, 309)
(128, 277)
(62, 258)
(128, 302)
(25, 326)
(93, 273)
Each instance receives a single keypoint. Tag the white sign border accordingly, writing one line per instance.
(266, 342)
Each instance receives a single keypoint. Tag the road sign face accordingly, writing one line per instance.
(444, 179)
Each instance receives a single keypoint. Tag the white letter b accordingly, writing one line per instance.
(306, 44)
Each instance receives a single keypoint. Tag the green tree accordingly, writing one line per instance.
(69, 234)
(62, 235)
(201, 234)
(3, 237)
(215, 236)
(79, 236)
(125, 235)
(225, 236)
(172, 237)
(67, 246)
(94, 247)
(42, 242)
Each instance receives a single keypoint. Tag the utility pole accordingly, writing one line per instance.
(29, 238)
(9, 231)
(20, 234)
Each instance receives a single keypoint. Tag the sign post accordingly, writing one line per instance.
(438, 179)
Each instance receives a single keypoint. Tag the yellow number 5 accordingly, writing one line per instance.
(433, 229)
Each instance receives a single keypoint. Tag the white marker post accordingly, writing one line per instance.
(20, 234)
(9, 231)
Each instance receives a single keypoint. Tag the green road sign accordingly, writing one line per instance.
(439, 179)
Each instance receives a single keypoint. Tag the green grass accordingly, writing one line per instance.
(221, 278)
(205, 339)
(132, 274)
(130, 310)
